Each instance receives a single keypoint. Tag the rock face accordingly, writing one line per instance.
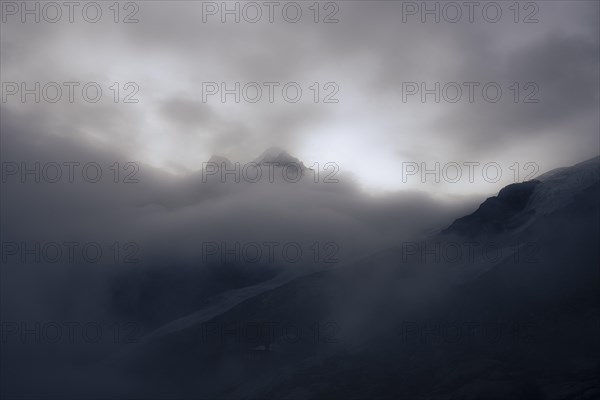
(497, 214)
(518, 205)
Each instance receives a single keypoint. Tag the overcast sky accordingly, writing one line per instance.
(367, 57)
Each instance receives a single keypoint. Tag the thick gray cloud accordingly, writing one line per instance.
(170, 219)
(369, 54)
(171, 131)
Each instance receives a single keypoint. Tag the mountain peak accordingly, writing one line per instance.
(219, 160)
(278, 155)
(272, 152)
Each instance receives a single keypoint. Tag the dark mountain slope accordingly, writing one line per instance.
(522, 327)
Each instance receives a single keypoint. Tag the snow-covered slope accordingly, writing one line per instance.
(519, 205)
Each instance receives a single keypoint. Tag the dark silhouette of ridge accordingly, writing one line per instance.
(496, 214)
